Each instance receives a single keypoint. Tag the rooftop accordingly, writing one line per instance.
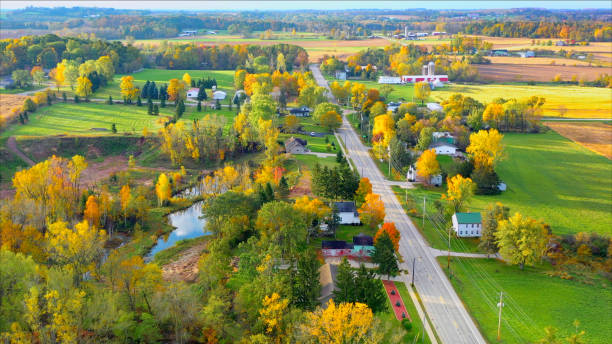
(468, 217)
(345, 207)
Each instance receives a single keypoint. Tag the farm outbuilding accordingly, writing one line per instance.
(467, 224)
(219, 95)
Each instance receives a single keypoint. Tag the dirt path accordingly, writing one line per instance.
(185, 268)
(11, 145)
(303, 187)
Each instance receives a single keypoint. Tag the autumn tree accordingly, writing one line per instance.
(422, 91)
(291, 124)
(330, 120)
(427, 165)
(272, 314)
(365, 188)
(92, 211)
(493, 114)
(382, 132)
(77, 249)
(38, 75)
(176, 90)
(394, 234)
(372, 211)
(83, 87)
(163, 189)
(458, 193)
(486, 148)
(521, 240)
(342, 323)
(279, 223)
(311, 210)
(187, 79)
(323, 108)
(128, 90)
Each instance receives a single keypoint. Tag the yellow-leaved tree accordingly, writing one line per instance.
(187, 79)
(422, 91)
(365, 188)
(459, 191)
(342, 323)
(311, 210)
(486, 148)
(272, 312)
(176, 90)
(372, 211)
(75, 249)
(382, 132)
(128, 90)
(83, 87)
(92, 211)
(427, 165)
(521, 240)
(163, 189)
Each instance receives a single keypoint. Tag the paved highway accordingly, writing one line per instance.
(449, 317)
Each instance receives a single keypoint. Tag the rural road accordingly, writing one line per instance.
(11, 145)
(448, 315)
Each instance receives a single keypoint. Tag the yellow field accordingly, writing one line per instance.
(7, 103)
(537, 60)
(580, 102)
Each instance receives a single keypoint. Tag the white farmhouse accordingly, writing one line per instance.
(193, 92)
(444, 148)
(434, 107)
(467, 224)
(347, 211)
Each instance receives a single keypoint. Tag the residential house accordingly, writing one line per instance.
(340, 75)
(444, 148)
(393, 106)
(327, 279)
(527, 54)
(434, 107)
(193, 92)
(363, 245)
(499, 52)
(443, 136)
(336, 248)
(295, 145)
(560, 43)
(413, 175)
(347, 211)
(467, 224)
(302, 111)
(219, 95)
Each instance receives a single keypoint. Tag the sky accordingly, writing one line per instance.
(298, 5)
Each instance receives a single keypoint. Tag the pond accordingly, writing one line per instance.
(188, 222)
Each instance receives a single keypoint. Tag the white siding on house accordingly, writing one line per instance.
(348, 218)
(445, 150)
(467, 229)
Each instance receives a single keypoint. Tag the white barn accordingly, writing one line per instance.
(444, 148)
(467, 224)
(219, 95)
(389, 79)
(347, 211)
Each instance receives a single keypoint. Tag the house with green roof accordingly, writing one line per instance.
(467, 224)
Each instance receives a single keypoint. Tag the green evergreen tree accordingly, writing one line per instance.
(155, 110)
(217, 105)
(199, 108)
(49, 99)
(384, 255)
(369, 289)
(138, 101)
(269, 192)
(340, 157)
(345, 283)
(110, 100)
(149, 107)
(163, 102)
(114, 128)
(64, 97)
(305, 281)
(283, 188)
(77, 99)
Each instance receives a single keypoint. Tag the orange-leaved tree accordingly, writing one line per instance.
(372, 211)
(92, 211)
(394, 234)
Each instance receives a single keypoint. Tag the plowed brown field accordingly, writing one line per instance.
(596, 136)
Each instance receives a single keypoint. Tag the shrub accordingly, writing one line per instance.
(407, 324)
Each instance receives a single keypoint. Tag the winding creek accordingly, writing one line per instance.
(188, 223)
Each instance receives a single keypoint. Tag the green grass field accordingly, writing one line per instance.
(580, 102)
(532, 301)
(552, 179)
(79, 119)
(19, 90)
(225, 81)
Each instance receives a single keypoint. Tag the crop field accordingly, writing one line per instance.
(551, 179)
(595, 136)
(532, 301)
(537, 61)
(97, 119)
(580, 102)
(512, 72)
(7, 103)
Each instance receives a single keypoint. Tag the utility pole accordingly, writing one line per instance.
(448, 263)
(500, 305)
(413, 272)
(389, 151)
(424, 200)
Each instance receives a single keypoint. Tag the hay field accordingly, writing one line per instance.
(7, 103)
(508, 72)
(595, 136)
(580, 102)
(536, 60)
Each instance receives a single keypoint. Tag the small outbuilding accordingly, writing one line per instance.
(336, 248)
(296, 145)
(434, 107)
(347, 211)
(363, 245)
(467, 224)
(219, 95)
